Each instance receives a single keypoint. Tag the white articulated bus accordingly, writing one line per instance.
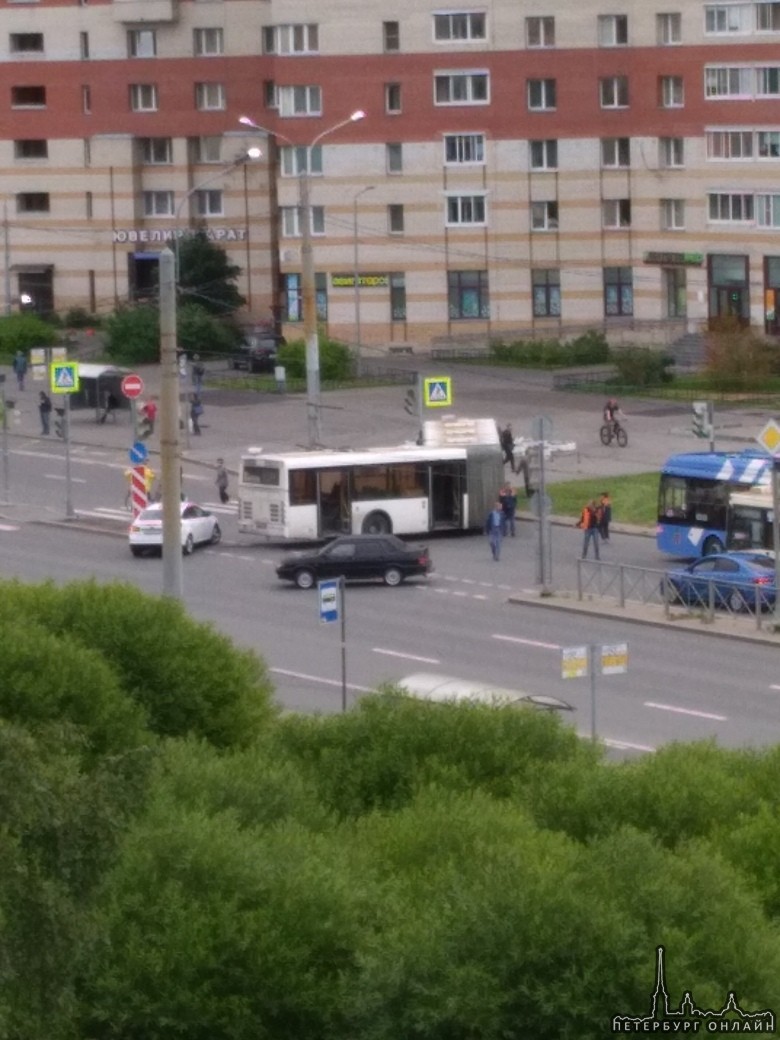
(750, 519)
(409, 489)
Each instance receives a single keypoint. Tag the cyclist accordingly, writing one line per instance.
(612, 413)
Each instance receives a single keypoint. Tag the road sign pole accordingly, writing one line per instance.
(711, 423)
(592, 671)
(4, 405)
(343, 608)
(776, 536)
(70, 513)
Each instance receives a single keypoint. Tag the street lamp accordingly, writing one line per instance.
(356, 240)
(308, 290)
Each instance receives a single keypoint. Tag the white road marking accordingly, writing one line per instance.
(686, 711)
(527, 642)
(408, 657)
(774, 686)
(319, 679)
(8, 527)
(61, 476)
(625, 745)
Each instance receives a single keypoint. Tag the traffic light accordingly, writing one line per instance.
(410, 401)
(59, 422)
(702, 422)
(144, 428)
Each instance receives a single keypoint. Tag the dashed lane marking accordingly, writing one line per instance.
(8, 527)
(686, 711)
(319, 679)
(407, 657)
(527, 642)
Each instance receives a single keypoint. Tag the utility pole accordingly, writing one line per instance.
(170, 452)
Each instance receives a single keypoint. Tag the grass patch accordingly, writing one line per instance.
(634, 498)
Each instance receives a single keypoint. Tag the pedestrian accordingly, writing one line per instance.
(522, 467)
(110, 409)
(196, 410)
(222, 481)
(198, 372)
(605, 515)
(507, 440)
(19, 365)
(44, 408)
(149, 414)
(494, 526)
(589, 522)
(507, 496)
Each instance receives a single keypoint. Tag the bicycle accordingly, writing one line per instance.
(613, 431)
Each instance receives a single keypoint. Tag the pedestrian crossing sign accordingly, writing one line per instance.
(64, 377)
(437, 392)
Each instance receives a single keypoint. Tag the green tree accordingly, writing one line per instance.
(133, 335)
(207, 277)
(198, 331)
(336, 361)
(24, 331)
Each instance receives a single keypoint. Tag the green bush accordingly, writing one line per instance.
(133, 335)
(591, 348)
(642, 366)
(737, 358)
(198, 331)
(24, 331)
(79, 318)
(335, 359)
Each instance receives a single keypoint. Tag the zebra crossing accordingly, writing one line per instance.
(123, 514)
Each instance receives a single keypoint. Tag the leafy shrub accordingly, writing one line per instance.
(79, 318)
(133, 335)
(198, 331)
(642, 366)
(335, 359)
(737, 358)
(591, 348)
(23, 331)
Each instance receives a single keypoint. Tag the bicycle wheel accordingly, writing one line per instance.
(622, 437)
(606, 434)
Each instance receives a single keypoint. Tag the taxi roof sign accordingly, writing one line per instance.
(64, 377)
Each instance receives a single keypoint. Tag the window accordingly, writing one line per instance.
(768, 17)
(290, 39)
(616, 213)
(143, 97)
(26, 43)
(208, 202)
(546, 292)
(88, 205)
(209, 97)
(731, 208)
(156, 151)
(459, 26)
(295, 158)
(141, 43)
(397, 296)
(32, 202)
(768, 211)
(28, 97)
(613, 30)
(466, 210)
(392, 98)
(618, 292)
(727, 18)
(208, 42)
(270, 94)
(671, 152)
(206, 149)
(544, 155)
(768, 81)
(391, 37)
(395, 219)
(668, 29)
(394, 157)
(616, 152)
(289, 217)
(544, 216)
(728, 82)
(613, 92)
(468, 295)
(300, 101)
(84, 45)
(540, 32)
(541, 95)
(461, 88)
(729, 144)
(86, 99)
(158, 203)
(768, 144)
(464, 148)
(671, 93)
(31, 148)
(672, 214)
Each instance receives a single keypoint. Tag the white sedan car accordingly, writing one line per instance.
(198, 526)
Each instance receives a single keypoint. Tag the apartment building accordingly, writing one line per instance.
(521, 166)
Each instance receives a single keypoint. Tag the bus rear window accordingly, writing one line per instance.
(257, 473)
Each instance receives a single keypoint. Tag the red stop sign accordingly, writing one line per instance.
(132, 386)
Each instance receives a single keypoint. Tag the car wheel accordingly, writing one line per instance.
(606, 434)
(377, 523)
(304, 579)
(712, 545)
(216, 535)
(189, 545)
(393, 576)
(737, 602)
(136, 550)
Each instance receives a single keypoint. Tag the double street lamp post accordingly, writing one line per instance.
(308, 287)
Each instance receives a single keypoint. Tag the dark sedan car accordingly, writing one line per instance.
(258, 352)
(739, 581)
(357, 556)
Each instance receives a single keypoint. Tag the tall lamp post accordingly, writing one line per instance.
(308, 288)
(356, 251)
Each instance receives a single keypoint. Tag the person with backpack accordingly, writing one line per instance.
(589, 522)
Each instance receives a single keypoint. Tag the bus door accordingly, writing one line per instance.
(334, 506)
(448, 484)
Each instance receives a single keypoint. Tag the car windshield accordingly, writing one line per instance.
(152, 513)
(763, 561)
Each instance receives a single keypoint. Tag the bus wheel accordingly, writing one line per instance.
(304, 579)
(377, 523)
(712, 545)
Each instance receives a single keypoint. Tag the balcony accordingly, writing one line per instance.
(140, 12)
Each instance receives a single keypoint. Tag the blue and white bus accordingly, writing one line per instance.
(694, 494)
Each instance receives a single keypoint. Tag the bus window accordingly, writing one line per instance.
(672, 498)
(303, 487)
(257, 473)
(750, 527)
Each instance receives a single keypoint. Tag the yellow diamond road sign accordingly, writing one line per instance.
(769, 438)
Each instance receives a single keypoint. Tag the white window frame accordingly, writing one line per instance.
(672, 92)
(668, 149)
(727, 19)
(143, 97)
(547, 95)
(615, 153)
(771, 24)
(208, 149)
(290, 224)
(294, 158)
(729, 203)
(544, 215)
(156, 151)
(210, 97)
(668, 28)
(771, 144)
(158, 203)
(673, 214)
(468, 149)
(394, 158)
(768, 81)
(391, 90)
(612, 30)
(300, 101)
(543, 154)
(292, 38)
(210, 202)
(728, 81)
(729, 145)
(616, 214)
(396, 219)
(141, 43)
(465, 210)
(462, 81)
(611, 89)
(459, 27)
(208, 42)
(539, 32)
(767, 210)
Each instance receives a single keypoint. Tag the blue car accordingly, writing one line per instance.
(739, 580)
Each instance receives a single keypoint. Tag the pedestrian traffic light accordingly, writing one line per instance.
(144, 428)
(410, 401)
(59, 422)
(702, 424)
